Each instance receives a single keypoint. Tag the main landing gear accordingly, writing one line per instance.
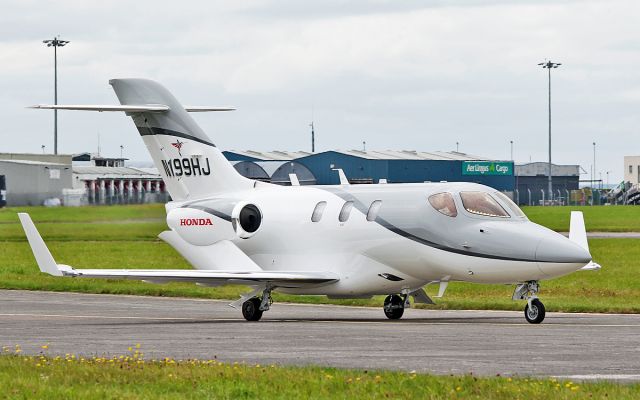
(534, 311)
(253, 308)
(394, 305)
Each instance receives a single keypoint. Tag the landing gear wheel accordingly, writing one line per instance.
(251, 309)
(393, 306)
(535, 313)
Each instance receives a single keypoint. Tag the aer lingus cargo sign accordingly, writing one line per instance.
(487, 168)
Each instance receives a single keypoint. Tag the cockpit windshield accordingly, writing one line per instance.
(481, 203)
(512, 206)
(443, 202)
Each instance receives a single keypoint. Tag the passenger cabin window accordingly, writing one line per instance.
(317, 212)
(374, 209)
(345, 212)
(444, 204)
(515, 210)
(481, 203)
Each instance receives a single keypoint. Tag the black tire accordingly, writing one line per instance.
(393, 306)
(536, 313)
(251, 309)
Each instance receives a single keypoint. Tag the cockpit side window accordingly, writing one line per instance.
(481, 203)
(511, 205)
(444, 204)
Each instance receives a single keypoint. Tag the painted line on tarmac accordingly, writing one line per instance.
(115, 317)
(603, 377)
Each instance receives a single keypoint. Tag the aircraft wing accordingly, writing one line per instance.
(47, 264)
(277, 278)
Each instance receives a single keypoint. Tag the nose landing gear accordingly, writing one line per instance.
(534, 311)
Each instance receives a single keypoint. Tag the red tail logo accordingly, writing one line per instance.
(178, 145)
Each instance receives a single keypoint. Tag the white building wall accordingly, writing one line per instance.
(632, 169)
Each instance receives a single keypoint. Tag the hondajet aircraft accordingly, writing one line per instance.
(342, 241)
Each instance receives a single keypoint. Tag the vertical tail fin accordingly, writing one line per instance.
(189, 163)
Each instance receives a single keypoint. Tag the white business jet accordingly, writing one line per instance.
(341, 241)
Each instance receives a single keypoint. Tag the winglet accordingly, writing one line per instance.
(43, 256)
(577, 230)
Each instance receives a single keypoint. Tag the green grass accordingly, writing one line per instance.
(597, 219)
(85, 214)
(131, 377)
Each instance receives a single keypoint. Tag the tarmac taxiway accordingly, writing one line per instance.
(577, 346)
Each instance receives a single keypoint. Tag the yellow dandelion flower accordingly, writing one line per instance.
(44, 346)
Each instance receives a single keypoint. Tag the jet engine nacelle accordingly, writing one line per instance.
(246, 219)
(194, 226)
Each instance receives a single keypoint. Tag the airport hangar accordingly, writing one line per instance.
(391, 166)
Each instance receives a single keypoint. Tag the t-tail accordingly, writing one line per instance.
(190, 164)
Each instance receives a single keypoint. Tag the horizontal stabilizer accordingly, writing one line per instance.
(130, 108)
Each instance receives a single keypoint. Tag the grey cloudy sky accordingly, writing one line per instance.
(418, 75)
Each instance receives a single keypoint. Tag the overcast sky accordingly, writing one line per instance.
(404, 75)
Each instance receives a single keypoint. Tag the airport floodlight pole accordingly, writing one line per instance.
(121, 149)
(593, 175)
(549, 65)
(457, 147)
(55, 43)
(511, 141)
(313, 138)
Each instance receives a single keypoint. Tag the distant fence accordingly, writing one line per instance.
(561, 197)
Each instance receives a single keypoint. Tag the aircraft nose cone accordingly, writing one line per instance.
(561, 250)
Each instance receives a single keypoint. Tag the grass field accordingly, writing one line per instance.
(597, 219)
(131, 377)
(125, 237)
